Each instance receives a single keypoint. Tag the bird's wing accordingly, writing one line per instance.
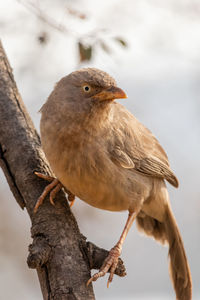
(133, 146)
(121, 158)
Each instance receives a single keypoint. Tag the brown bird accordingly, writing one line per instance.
(102, 154)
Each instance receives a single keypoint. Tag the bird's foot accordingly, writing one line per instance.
(53, 188)
(110, 263)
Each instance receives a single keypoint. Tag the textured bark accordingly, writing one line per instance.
(59, 252)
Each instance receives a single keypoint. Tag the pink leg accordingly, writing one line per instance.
(110, 263)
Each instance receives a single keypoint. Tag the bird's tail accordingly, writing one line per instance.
(178, 266)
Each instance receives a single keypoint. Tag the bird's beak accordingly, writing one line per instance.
(110, 93)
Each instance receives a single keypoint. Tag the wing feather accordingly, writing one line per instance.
(135, 147)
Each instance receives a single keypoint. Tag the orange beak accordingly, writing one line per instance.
(110, 93)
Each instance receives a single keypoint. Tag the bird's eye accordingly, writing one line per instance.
(86, 88)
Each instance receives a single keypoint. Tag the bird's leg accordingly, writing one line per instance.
(53, 188)
(111, 261)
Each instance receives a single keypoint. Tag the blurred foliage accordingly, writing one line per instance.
(76, 13)
(121, 41)
(43, 38)
(85, 52)
(86, 43)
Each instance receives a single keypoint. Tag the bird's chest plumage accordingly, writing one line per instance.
(84, 167)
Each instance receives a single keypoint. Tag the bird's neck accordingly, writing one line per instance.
(98, 116)
(92, 120)
(69, 125)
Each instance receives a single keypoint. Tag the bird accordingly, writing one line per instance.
(100, 153)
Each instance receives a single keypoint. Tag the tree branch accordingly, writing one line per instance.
(59, 252)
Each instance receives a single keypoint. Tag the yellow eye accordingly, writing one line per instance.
(86, 88)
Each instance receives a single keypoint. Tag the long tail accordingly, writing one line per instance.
(168, 232)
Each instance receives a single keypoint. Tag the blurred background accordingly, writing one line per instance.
(152, 49)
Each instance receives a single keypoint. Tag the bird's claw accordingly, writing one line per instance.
(44, 176)
(53, 188)
(110, 263)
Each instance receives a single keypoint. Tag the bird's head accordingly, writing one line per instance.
(83, 88)
(93, 84)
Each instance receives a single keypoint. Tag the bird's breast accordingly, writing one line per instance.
(85, 169)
